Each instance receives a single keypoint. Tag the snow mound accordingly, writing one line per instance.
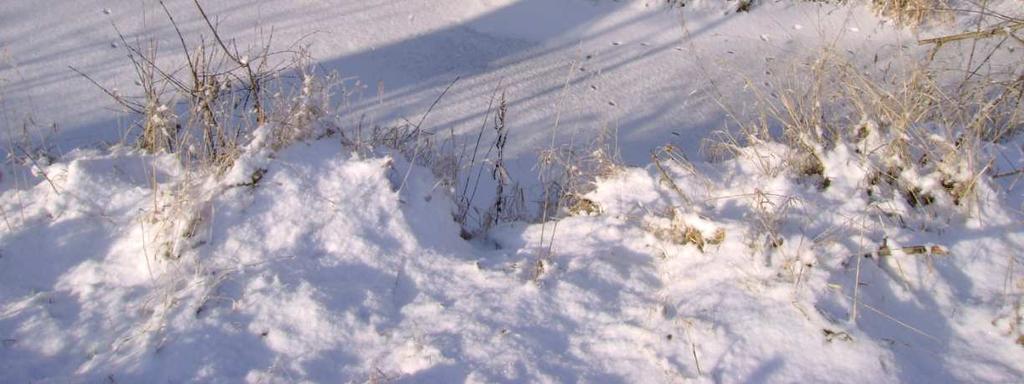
(310, 265)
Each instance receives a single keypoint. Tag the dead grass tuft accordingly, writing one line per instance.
(913, 12)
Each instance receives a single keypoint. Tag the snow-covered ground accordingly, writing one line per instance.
(322, 272)
(325, 262)
(626, 62)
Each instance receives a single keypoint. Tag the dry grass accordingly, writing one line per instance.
(906, 125)
(205, 109)
(568, 173)
(682, 229)
(924, 133)
(904, 12)
(912, 12)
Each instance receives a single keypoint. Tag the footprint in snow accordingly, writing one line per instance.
(798, 27)
(106, 11)
(616, 43)
(764, 37)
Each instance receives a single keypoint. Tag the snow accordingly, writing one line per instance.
(327, 262)
(625, 62)
(322, 271)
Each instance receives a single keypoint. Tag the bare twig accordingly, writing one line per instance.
(1004, 28)
(131, 106)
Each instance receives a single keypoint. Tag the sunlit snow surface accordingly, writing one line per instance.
(334, 267)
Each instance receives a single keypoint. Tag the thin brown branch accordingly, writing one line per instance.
(120, 100)
(1005, 28)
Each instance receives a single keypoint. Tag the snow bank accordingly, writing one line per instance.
(308, 265)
